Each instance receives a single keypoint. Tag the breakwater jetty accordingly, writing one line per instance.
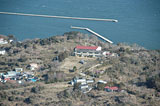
(91, 31)
(63, 17)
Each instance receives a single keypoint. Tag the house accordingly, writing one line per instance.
(102, 82)
(33, 66)
(1, 74)
(6, 79)
(82, 74)
(28, 75)
(82, 61)
(11, 74)
(90, 81)
(11, 40)
(111, 89)
(84, 86)
(2, 52)
(78, 80)
(87, 51)
(3, 41)
(18, 69)
(108, 54)
(31, 80)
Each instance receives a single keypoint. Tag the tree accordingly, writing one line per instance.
(101, 86)
(154, 82)
(122, 49)
(12, 37)
(63, 55)
(74, 68)
(76, 86)
(22, 59)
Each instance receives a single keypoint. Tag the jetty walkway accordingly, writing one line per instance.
(91, 31)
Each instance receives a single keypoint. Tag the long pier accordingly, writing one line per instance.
(91, 31)
(63, 17)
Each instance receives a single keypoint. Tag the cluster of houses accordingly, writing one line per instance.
(86, 85)
(108, 88)
(92, 51)
(3, 41)
(19, 75)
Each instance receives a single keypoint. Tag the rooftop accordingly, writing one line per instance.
(87, 47)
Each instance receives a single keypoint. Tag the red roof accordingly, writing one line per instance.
(1, 38)
(7, 79)
(87, 47)
(112, 88)
(107, 87)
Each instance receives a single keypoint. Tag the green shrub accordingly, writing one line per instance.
(11, 98)
(154, 82)
(37, 89)
(74, 68)
(100, 86)
(62, 56)
(76, 86)
(28, 100)
(52, 77)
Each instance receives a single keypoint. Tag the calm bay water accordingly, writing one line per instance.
(139, 20)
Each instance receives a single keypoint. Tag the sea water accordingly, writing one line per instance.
(139, 20)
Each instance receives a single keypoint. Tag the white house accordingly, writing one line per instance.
(103, 82)
(85, 51)
(84, 86)
(3, 41)
(78, 80)
(11, 40)
(33, 66)
(90, 81)
(2, 52)
(11, 74)
(18, 69)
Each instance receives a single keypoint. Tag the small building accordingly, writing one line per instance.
(87, 51)
(111, 89)
(82, 74)
(6, 79)
(78, 80)
(84, 86)
(11, 74)
(33, 66)
(28, 75)
(2, 52)
(82, 61)
(1, 74)
(31, 80)
(90, 81)
(11, 40)
(106, 53)
(3, 41)
(18, 69)
(102, 82)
